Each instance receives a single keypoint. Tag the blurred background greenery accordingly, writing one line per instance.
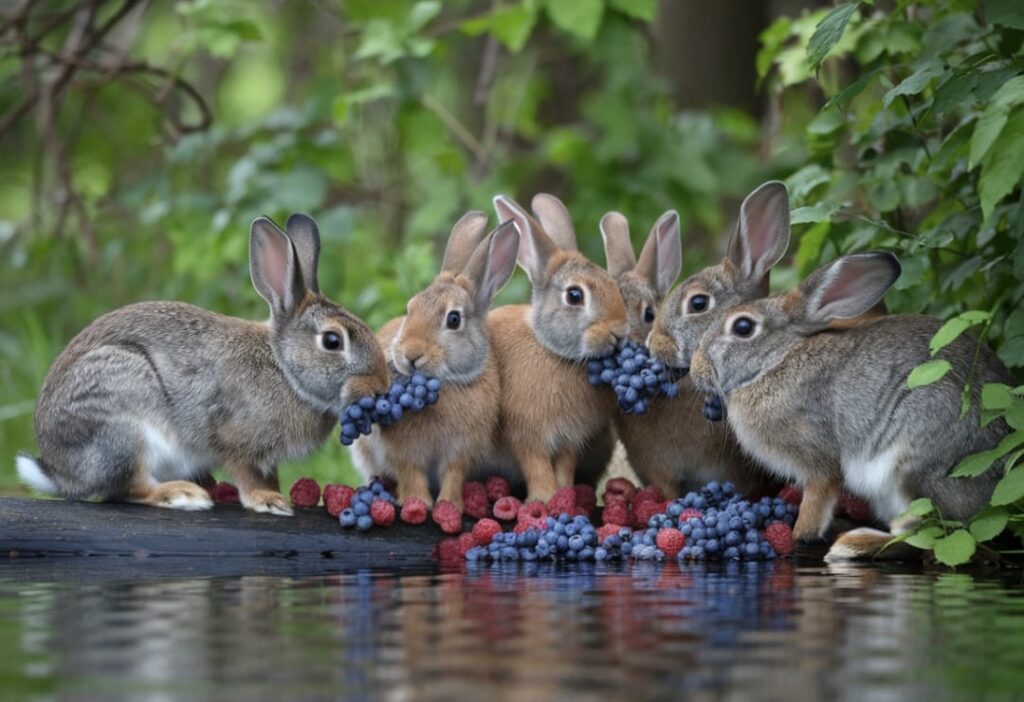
(139, 139)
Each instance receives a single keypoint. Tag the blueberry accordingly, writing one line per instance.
(364, 522)
(418, 379)
(418, 404)
(711, 546)
(434, 385)
(347, 517)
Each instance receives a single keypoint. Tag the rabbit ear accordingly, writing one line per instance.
(618, 249)
(662, 258)
(305, 236)
(464, 239)
(535, 248)
(849, 286)
(762, 234)
(493, 263)
(555, 219)
(272, 264)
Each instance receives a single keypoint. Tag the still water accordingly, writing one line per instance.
(757, 631)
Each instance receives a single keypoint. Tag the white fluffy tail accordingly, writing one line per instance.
(33, 476)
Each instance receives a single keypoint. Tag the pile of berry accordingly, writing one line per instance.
(410, 394)
(634, 375)
(368, 506)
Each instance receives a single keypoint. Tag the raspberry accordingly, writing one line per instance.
(497, 488)
(484, 531)
(620, 487)
(382, 512)
(449, 552)
(609, 498)
(534, 510)
(651, 493)
(474, 500)
(305, 492)
(780, 536)
(586, 498)
(564, 500)
(528, 523)
(670, 541)
(466, 542)
(337, 498)
(226, 494)
(855, 508)
(615, 513)
(791, 494)
(414, 511)
(690, 513)
(644, 510)
(506, 508)
(447, 516)
(607, 530)
(389, 483)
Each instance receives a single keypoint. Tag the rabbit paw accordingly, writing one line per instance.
(268, 502)
(178, 494)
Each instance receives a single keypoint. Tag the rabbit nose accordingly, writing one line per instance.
(413, 358)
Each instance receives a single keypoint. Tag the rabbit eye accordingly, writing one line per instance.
(743, 327)
(453, 320)
(574, 295)
(648, 314)
(699, 303)
(331, 341)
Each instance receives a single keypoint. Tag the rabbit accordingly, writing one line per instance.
(445, 335)
(153, 396)
(829, 408)
(548, 408)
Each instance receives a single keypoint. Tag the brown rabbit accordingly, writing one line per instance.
(153, 396)
(548, 408)
(445, 335)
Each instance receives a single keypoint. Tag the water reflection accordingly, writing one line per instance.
(768, 631)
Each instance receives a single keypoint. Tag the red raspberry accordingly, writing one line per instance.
(389, 483)
(305, 492)
(449, 552)
(564, 500)
(337, 498)
(466, 542)
(607, 530)
(651, 493)
(586, 498)
(608, 498)
(497, 488)
(484, 531)
(791, 494)
(534, 510)
(528, 523)
(855, 508)
(690, 513)
(474, 500)
(226, 494)
(615, 513)
(382, 512)
(619, 487)
(643, 511)
(506, 508)
(414, 511)
(670, 541)
(447, 516)
(780, 536)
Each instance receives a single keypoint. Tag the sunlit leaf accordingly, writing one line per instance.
(989, 523)
(829, 31)
(1010, 488)
(955, 549)
(928, 373)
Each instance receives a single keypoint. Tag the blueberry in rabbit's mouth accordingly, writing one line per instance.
(407, 394)
(714, 408)
(635, 375)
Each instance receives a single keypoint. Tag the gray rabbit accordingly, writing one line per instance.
(826, 407)
(153, 396)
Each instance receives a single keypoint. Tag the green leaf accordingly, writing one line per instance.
(853, 89)
(955, 549)
(822, 212)
(510, 25)
(828, 32)
(637, 9)
(1012, 352)
(921, 507)
(978, 463)
(581, 18)
(924, 537)
(996, 396)
(1015, 415)
(989, 523)
(1002, 166)
(994, 118)
(1008, 13)
(810, 246)
(947, 334)
(915, 82)
(1010, 488)
(928, 373)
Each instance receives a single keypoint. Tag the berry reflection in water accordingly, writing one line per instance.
(635, 376)
(407, 394)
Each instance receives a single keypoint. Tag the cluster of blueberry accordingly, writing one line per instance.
(714, 409)
(713, 524)
(635, 376)
(369, 505)
(411, 394)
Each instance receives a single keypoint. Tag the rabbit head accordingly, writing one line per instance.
(329, 356)
(577, 311)
(444, 333)
(760, 240)
(751, 339)
(644, 282)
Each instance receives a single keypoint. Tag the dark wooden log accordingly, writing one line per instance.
(224, 539)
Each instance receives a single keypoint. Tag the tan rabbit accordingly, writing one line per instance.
(826, 408)
(548, 408)
(445, 335)
(153, 396)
